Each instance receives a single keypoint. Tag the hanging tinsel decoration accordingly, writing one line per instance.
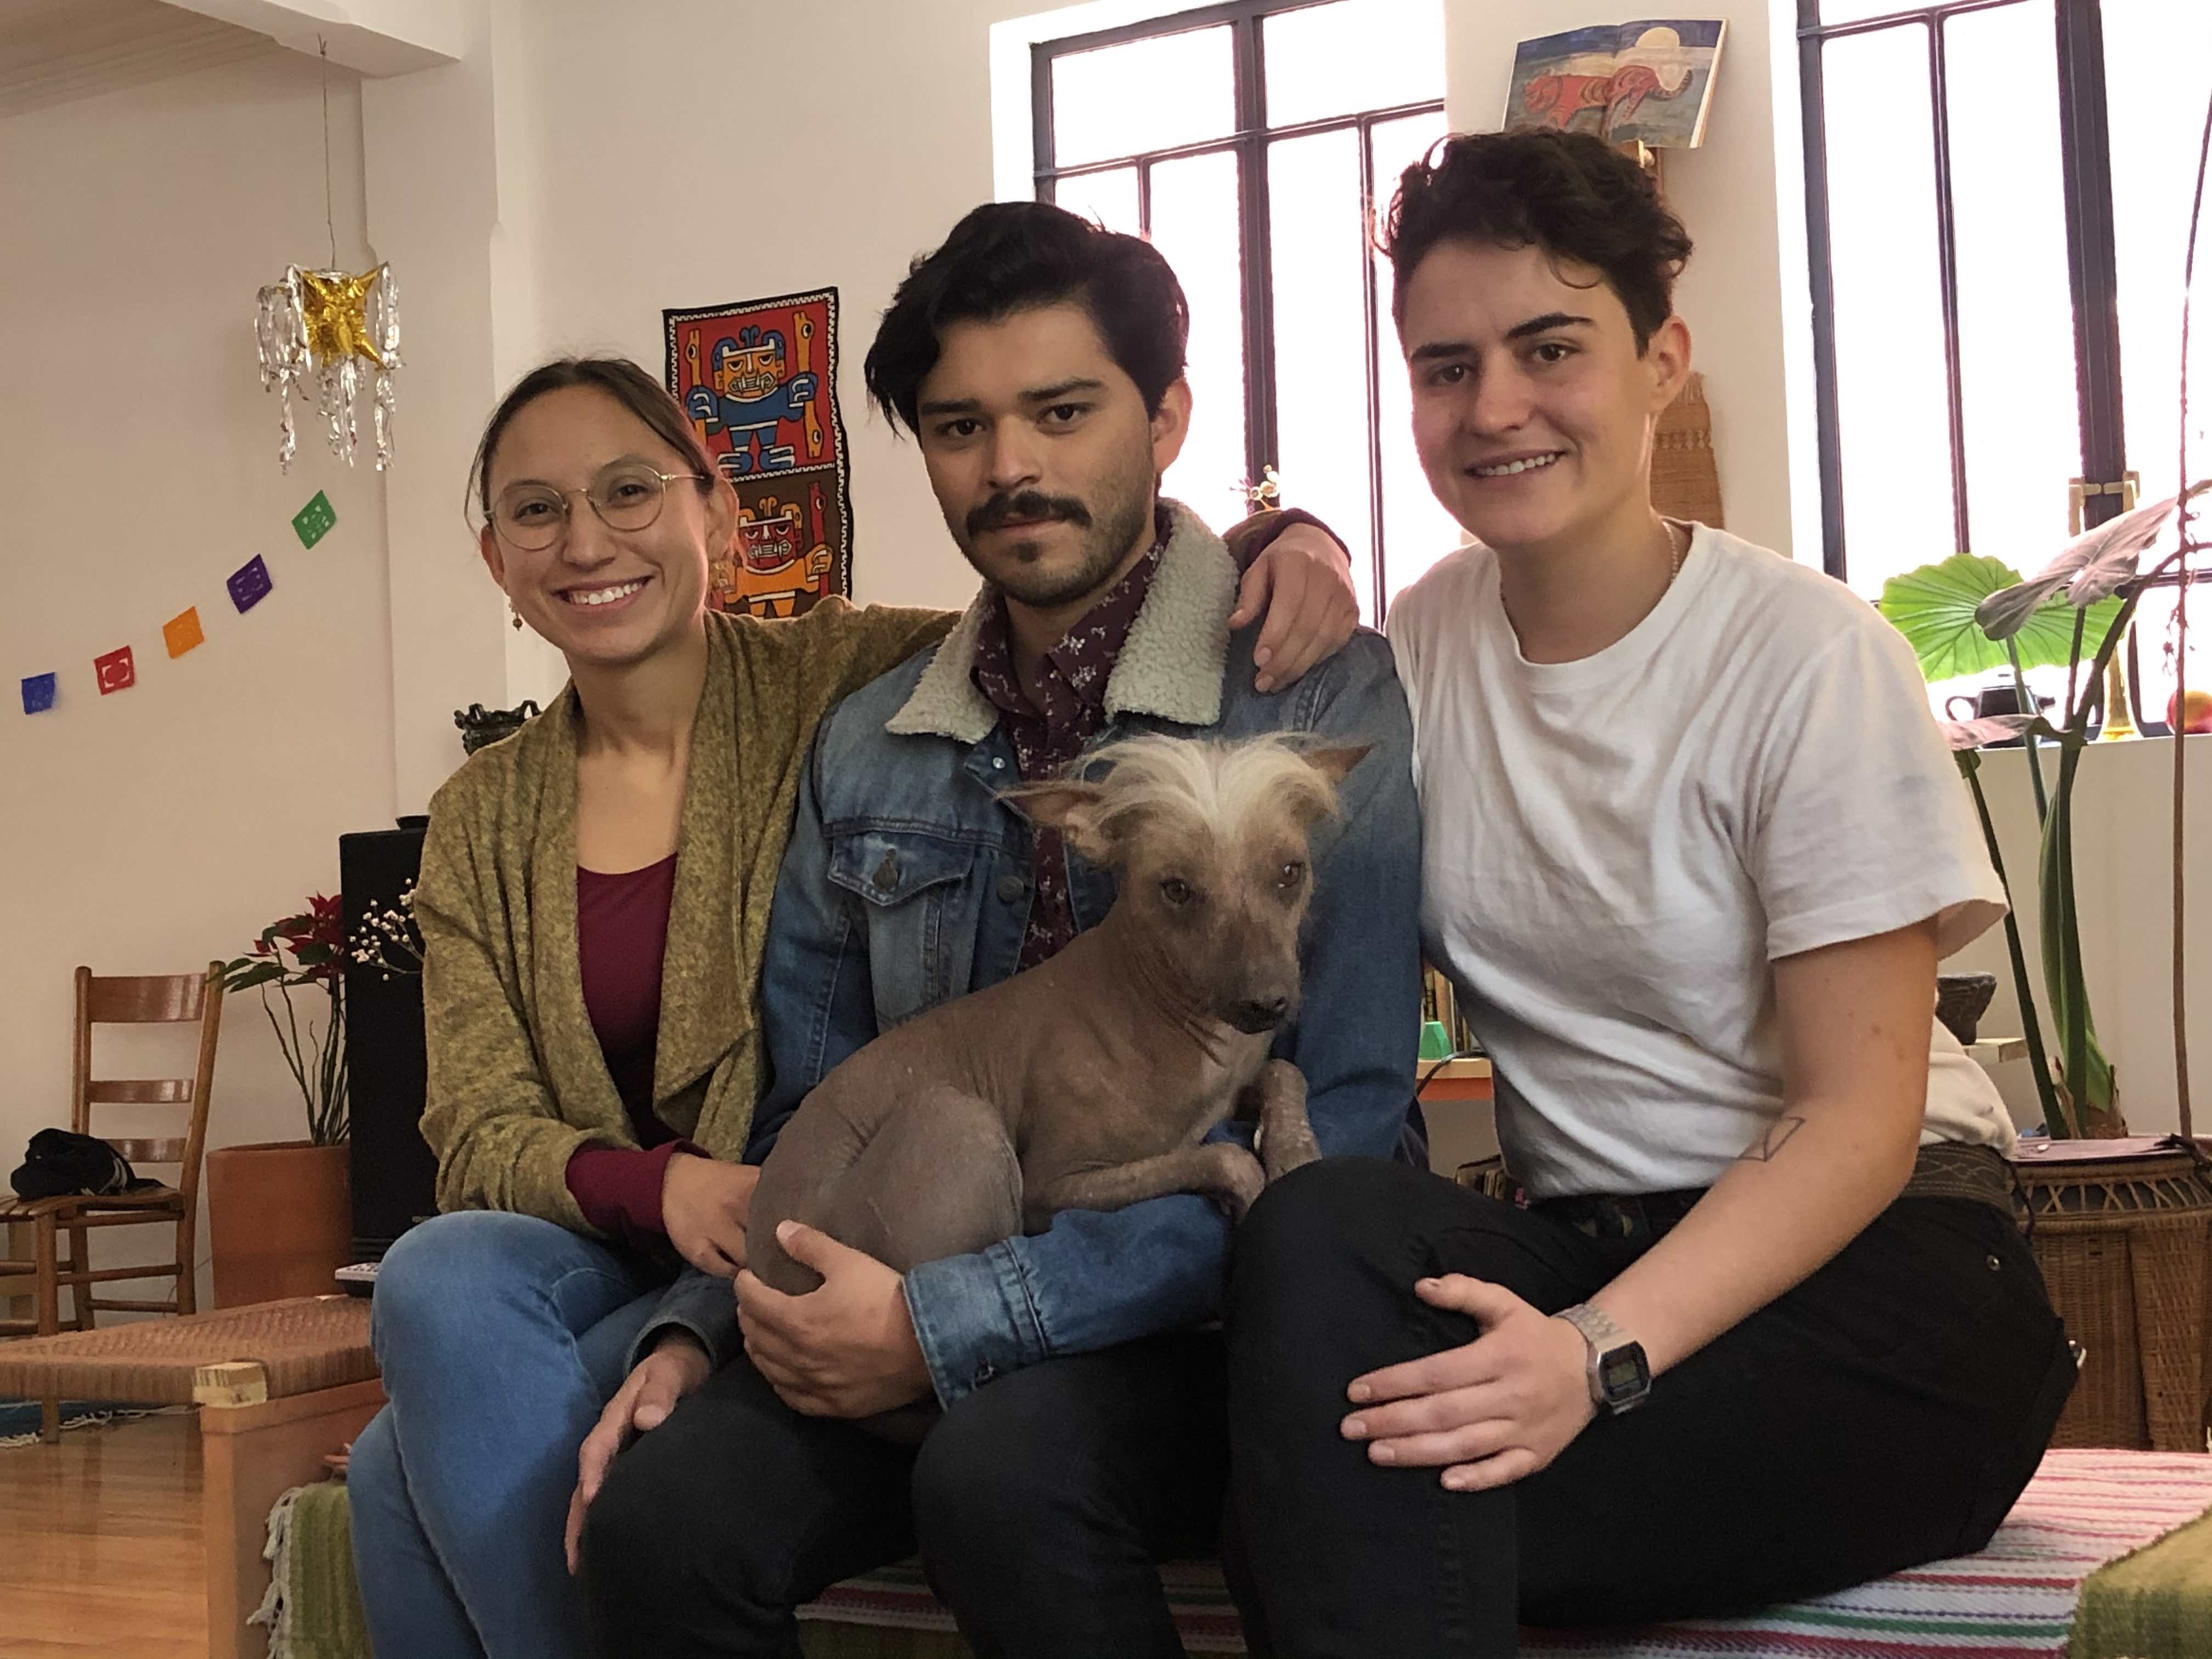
(322, 326)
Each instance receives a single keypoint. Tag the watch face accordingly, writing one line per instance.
(1623, 1373)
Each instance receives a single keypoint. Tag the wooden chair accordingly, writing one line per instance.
(172, 999)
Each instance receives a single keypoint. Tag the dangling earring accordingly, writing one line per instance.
(514, 616)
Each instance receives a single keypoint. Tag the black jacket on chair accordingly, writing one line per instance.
(58, 1162)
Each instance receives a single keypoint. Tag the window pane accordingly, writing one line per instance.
(1320, 339)
(1149, 94)
(1109, 198)
(1417, 532)
(2022, 424)
(1195, 225)
(1890, 384)
(2155, 141)
(2154, 638)
(1851, 11)
(1352, 55)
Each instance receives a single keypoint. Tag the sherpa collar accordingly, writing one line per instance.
(1170, 668)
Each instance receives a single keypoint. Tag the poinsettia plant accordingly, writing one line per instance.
(305, 953)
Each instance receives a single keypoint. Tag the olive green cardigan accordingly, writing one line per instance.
(517, 1082)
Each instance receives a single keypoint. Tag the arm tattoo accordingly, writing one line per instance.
(1762, 1151)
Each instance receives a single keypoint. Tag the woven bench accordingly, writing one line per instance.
(278, 1385)
(281, 1385)
(2105, 1556)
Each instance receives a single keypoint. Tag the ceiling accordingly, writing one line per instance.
(53, 51)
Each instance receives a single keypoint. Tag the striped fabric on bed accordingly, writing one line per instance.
(2014, 1599)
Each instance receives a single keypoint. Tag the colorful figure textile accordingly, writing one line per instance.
(759, 382)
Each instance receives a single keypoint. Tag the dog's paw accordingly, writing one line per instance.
(1286, 1145)
(1239, 1180)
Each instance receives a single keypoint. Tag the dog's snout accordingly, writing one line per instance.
(1258, 1014)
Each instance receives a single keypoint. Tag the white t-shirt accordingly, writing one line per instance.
(1618, 848)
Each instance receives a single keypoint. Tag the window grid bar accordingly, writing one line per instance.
(1371, 312)
(1809, 27)
(2085, 146)
(1250, 143)
(1230, 12)
(2093, 275)
(1255, 220)
(1826, 418)
(1231, 140)
(1947, 277)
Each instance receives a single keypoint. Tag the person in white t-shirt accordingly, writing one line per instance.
(1760, 1324)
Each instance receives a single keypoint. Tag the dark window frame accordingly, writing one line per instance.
(2091, 261)
(1248, 140)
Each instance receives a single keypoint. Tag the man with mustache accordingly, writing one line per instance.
(1038, 361)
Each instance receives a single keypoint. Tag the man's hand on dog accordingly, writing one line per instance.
(845, 1349)
(648, 1395)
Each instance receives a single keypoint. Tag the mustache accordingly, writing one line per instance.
(1028, 504)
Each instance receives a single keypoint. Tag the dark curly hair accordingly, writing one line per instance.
(1006, 257)
(1569, 193)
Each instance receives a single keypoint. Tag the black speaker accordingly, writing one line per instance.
(394, 1175)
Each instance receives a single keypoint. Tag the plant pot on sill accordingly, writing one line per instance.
(279, 1219)
(2123, 1231)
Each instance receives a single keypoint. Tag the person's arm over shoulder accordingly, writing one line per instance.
(818, 1006)
(853, 644)
(488, 1113)
(1094, 1279)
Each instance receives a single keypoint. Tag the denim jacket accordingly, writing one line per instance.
(907, 882)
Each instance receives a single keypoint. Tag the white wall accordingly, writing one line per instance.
(2123, 814)
(151, 830)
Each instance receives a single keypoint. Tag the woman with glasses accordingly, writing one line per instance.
(593, 899)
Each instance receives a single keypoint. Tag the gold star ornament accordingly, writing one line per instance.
(323, 326)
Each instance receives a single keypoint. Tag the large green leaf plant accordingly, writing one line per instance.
(1972, 615)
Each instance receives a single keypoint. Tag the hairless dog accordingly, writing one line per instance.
(1090, 1080)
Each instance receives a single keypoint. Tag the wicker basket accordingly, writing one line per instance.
(2123, 1232)
(1686, 480)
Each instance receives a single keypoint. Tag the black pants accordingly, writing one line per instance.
(1040, 1503)
(1885, 1413)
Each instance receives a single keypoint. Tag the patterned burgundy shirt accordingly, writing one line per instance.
(1047, 740)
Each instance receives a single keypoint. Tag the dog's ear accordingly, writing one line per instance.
(1335, 764)
(1071, 806)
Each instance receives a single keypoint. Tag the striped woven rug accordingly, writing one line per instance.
(2014, 1599)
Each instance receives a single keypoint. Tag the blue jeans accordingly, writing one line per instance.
(501, 1337)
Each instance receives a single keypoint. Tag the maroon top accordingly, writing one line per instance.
(1073, 686)
(622, 935)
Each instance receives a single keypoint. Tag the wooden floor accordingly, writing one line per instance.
(99, 1545)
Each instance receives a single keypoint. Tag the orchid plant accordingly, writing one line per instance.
(1968, 615)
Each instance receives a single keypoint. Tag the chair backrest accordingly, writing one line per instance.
(149, 1000)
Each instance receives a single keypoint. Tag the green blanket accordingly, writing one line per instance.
(312, 1609)
(2154, 1604)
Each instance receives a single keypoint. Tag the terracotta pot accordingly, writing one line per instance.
(280, 1221)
